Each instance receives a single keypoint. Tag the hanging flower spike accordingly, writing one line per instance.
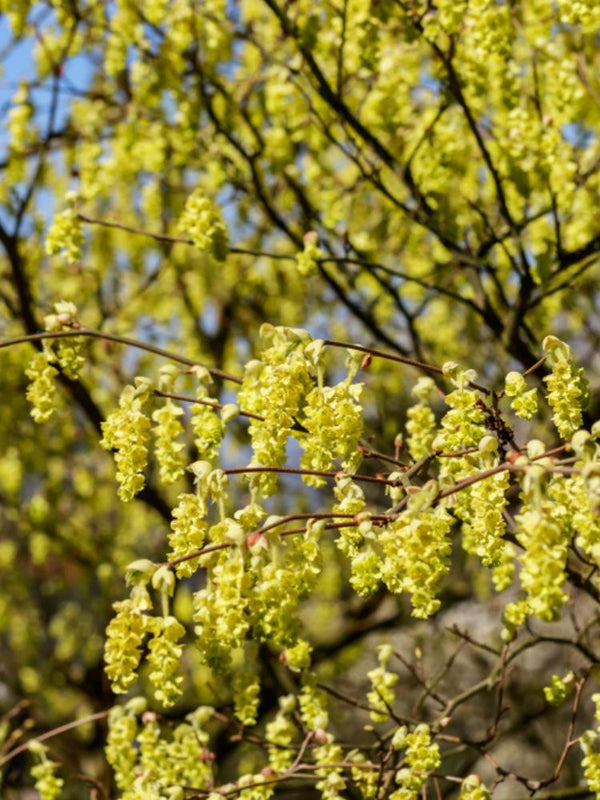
(47, 783)
(306, 260)
(65, 235)
(167, 430)
(120, 751)
(381, 697)
(164, 657)
(246, 696)
(568, 390)
(203, 223)
(208, 427)
(122, 651)
(280, 733)
(421, 425)
(422, 757)
(65, 352)
(524, 402)
(42, 389)
(473, 789)
(126, 431)
(188, 532)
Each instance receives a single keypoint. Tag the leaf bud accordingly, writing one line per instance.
(229, 411)
(582, 444)
(140, 571)
(142, 385)
(535, 448)
(201, 373)
(314, 352)
(399, 738)
(235, 534)
(536, 472)
(201, 469)
(163, 580)
(168, 374)
(553, 346)
(488, 444)
(136, 706)
(287, 703)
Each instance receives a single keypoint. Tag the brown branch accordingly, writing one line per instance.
(211, 548)
(51, 734)
(113, 337)
(321, 472)
(163, 237)
(206, 401)
(411, 362)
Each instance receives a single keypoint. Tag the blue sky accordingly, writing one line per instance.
(18, 64)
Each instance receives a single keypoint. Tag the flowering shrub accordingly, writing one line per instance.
(300, 459)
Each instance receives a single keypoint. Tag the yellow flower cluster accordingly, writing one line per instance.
(67, 352)
(274, 388)
(188, 531)
(307, 259)
(122, 651)
(473, 789)
(47, 783)
(65, 236)
(280, 733)
(208, 428)
(168, 451)
(246, 696)
(202, 221)
(524, 402)
(567, 388)
(382, 695)
(421, 425)
(151, 761)
(164, 656)
(42, 389)
(333, 419)
(126, 431)
(417, 549)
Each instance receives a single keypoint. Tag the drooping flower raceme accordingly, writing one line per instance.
(126, 432)
(42, 389)
(421, 424)
(524, 402)
(66, 352)
(567, 387)
(422, 756)
(164, 656)
(382, 695)
(65, 236)
(122, 651)
(188, 532)
(332, 416)
(168, 451)
(208, 427)
(417, 549)
(308, 257)
(246, 696)
(203, 222)
(274, 387)
(47, 782)
(280, 733)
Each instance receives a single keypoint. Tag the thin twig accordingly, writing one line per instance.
(51, 734)
(113, 337)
